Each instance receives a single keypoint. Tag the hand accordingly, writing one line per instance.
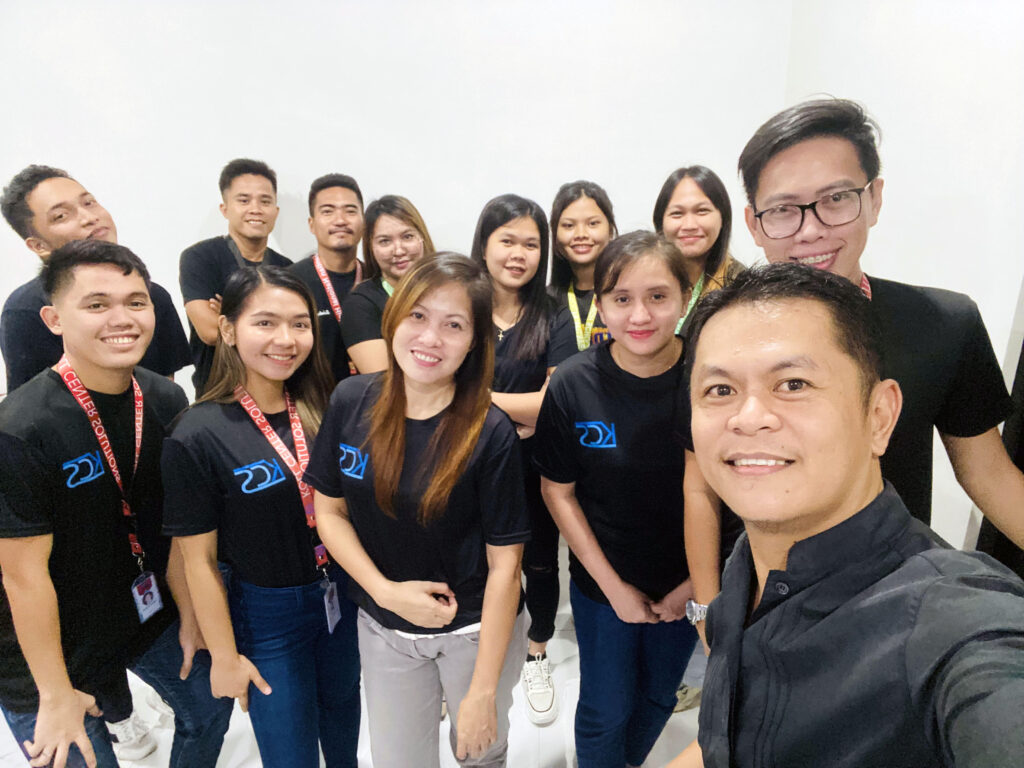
(215, 303)
(60, 723)
(191, 640)
(632, 606)
(524, 431)
(231, 678)
(427, 604)
(477, 725)
(703, 637)
(672, 606)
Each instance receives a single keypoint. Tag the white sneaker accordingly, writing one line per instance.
(163, 711)
(130, 738)
(541, 706)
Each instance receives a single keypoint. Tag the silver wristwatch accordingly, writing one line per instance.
(695, 612)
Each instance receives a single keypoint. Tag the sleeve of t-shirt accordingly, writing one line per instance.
(681, 415)
(191, 503)
(323, 472)
(965, 661)
(562, 340)
(197, 275)
(170, 340)
(553, 453)
(25, 344)
(505, 519)
(977, 399)
(26, 489)
(360, 319)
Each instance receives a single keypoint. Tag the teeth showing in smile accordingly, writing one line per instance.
(119, 340)
(281, 358)
(759, 462)
(425, 357)
(812, 260)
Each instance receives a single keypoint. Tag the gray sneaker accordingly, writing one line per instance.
(686, 698)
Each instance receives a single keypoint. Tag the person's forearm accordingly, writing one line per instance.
(501, 599)
(342, 541)
(702, 527)
(210, 603)
(521, 407)
(178, 584)
(37, 626)
(204, 320)
(568, 515)
(990, 478)
(369, 356)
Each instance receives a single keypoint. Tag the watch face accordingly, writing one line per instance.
(691, 610)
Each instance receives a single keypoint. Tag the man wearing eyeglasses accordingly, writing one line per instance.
(812, 184)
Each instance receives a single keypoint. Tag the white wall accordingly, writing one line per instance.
(450, 103)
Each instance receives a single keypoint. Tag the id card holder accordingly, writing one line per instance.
(147, 598)
(331, 604)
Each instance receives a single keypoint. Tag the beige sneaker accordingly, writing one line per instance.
(130, 738)
(686, 698)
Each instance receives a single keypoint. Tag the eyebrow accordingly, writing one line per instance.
(105, 295)
(785, 197)
(799, 361)
(267, 313)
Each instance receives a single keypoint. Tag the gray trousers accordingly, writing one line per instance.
(404, 680)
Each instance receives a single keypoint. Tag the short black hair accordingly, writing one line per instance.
(820, 117)
(240, 167)
(333, 180)
(14, 203)
(711, 185)
(855, 332)
(57, 271)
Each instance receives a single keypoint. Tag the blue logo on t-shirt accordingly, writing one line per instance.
(84, 469)
(259, 475)
(596, 434)
(352, 461)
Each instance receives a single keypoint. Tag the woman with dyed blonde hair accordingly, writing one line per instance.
(419, 495)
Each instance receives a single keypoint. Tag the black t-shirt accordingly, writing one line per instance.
(610, 433)
(330, 329)
(29, 347)
(934, 343)
(223, 475)
(54, 480)
(203, 271)
(486, 505)
(362, 311)
(513, 375)
(584, 299)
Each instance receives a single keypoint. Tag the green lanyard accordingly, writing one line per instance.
(694, 298)
(388, 288)
(583, 332)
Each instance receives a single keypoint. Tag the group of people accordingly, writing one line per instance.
(383, 453)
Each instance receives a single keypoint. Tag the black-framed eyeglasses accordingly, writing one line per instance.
(832, 210)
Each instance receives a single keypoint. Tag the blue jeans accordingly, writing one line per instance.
(313, 674)
(629, 674)
(200, 721)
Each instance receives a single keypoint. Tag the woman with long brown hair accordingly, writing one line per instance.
(419, 496)
(282, 638)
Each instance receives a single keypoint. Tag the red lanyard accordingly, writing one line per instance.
(332, 297)
(297, 466)
(81, 394)
(865, 286)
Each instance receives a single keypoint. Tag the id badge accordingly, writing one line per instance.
(147, 598)
(331, 605)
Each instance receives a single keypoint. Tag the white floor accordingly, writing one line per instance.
(529, 746)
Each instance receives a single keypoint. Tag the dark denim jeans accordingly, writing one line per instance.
(629, 674)
(200, 721)
(313, 674)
